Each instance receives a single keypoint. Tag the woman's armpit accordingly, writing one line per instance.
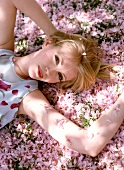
(7, 45)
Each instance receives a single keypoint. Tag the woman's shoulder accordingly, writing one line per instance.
(32, 102)
(4, 52)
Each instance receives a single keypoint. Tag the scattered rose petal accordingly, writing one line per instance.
(23, 143)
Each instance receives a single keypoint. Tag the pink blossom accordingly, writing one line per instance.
(28, 144)
(61, 122)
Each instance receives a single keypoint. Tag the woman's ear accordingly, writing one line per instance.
(46, 43)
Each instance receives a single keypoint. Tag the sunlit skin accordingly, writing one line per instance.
(50, 64)
(54, 64)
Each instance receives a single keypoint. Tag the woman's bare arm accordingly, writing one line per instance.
(8, 10)
(7, 23)
(103, 129)
(32, 9)
(90, 141)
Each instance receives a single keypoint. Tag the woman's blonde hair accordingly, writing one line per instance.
(86, 53)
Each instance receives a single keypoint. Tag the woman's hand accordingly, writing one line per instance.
(33, 10)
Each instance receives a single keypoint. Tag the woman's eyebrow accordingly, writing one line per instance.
(62, 63)
(64, 77)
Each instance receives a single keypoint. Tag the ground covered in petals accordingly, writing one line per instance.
(24, 145)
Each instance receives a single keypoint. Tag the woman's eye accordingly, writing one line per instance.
(60, 76)
(57, 59)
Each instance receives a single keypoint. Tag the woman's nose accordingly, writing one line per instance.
(46, 71)
(49, 71)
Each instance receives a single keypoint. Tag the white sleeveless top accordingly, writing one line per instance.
(12, 88)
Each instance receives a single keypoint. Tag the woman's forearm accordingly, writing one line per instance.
(95, 138)
(90, 141)
(103, 129)
(32, 9)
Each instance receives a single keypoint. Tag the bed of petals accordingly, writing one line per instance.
(24, 145)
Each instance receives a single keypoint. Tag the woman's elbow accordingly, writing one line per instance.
(93, 152)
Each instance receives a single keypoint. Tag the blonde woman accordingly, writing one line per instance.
(70, 60)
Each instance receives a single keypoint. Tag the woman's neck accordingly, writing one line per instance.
(18, 67)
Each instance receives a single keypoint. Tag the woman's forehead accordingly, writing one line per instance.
(66, 53)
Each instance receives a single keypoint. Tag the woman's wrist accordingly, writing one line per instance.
(120, 103)
(121, 97)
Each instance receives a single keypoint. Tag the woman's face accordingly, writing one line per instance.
(52, 64)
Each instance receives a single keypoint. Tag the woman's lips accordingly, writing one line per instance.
(40, 74)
